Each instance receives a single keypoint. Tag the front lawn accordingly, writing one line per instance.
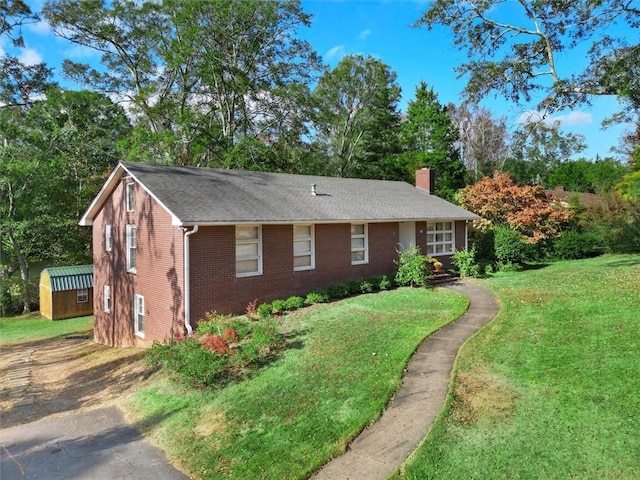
(34, 327)
(343, 363)
(550, 389)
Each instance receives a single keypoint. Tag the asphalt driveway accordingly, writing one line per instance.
(89, 445)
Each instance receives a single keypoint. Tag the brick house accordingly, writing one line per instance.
(171, 243)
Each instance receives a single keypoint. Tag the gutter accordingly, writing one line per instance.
(187, 282)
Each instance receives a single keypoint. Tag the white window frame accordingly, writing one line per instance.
(108, 240)
(301, 239)
(249, 241)
(106, 299)
(447, 247)
(82, 295)
(138, 314)
(129, 194)
(132, 246)
(365, 248)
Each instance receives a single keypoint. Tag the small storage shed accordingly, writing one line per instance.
(66, 292)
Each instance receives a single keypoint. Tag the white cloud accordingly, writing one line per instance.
(575, 118)
(364, 34)
(29, 56)
(81, 51)
(41, 27)
(335, 52)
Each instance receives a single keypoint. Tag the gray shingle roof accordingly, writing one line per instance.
(70, 278)
(204, 195)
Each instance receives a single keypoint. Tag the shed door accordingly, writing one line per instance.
(407, 235)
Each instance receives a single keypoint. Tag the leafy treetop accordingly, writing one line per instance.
(525, 209)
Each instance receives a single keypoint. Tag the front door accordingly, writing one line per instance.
(407, 235)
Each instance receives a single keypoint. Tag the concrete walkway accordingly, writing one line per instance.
(380, 449)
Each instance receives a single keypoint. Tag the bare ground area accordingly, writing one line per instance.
(53, 376)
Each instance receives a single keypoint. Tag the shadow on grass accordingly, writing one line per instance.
(627, 262)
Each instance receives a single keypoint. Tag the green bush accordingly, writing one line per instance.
(465, 263)
(278, 306)
(573, 245)
(354, 287)
(316, 297)
(265, 310)
(484, 245)
(413, 268)
(366, 286)
(336, 292)
(294, 303)
(385, 283)
(509, 246)
(222, 349)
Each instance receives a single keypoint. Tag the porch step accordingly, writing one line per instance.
(439, 278)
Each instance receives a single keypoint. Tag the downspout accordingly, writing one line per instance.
(187, 283)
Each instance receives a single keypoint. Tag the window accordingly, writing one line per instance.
(359, 244)
(303, 247)
(130, 196)
(107, 238)
(106, 298)
(82, 295)
(138, 312)
(132, 248)
(440, 238)
(248, 250)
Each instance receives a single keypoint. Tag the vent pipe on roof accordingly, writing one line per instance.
(313, 189)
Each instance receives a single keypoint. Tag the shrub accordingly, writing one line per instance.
(573, 245)
(278, 306)
(215, 343)
(465, 262)
(188, 362)
(354, 287)
(294, 303)
(385, 283)
(509, 246)
(366, 286)
(337, 292)
(251, 310)
(316, 297)
(412, 268)
(230, 335)
(206, 359)
(265, 310)
(509, 267)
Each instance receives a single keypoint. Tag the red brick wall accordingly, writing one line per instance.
(215, 287)
(158, 277)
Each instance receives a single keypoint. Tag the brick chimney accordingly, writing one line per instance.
(425, 180)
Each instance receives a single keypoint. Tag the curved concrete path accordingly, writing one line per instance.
(380, 449)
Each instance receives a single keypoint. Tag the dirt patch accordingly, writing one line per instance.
(481, 396)
(48, 377)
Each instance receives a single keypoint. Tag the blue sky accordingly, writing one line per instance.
(380, 28)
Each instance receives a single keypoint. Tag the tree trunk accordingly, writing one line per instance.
(24, 274)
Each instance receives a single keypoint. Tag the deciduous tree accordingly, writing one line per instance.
(356, 119)
(521, 49)
(483, 140)
(525, 209)
(201, 76)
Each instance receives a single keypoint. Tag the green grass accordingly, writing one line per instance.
(551, 388)
(343, 364)
(34, 327)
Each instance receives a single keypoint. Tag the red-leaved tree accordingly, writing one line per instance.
(525, 209)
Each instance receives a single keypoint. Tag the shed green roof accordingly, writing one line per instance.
(70, 278)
